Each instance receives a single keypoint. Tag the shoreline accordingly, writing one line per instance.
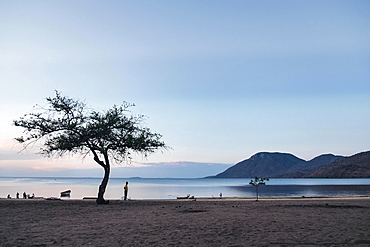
(200, 198)
(199, 188)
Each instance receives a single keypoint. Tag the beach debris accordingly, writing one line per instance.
(186, 197)
(53, 199)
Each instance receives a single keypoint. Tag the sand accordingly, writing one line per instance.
(204, 222)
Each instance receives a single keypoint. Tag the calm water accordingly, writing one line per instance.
(145, 188)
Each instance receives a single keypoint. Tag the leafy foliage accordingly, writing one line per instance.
(67, 126)
(257, 182)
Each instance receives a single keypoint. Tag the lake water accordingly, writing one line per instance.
(153, 188)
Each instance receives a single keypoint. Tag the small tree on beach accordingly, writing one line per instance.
(257, 182)
(67, 126)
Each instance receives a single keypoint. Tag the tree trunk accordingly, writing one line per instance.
(103, 186)
(104, 182)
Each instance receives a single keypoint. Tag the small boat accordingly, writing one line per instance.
(66, 193)
(183, 197)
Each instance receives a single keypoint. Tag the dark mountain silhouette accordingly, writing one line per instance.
(306, 167)
(356, 166)
(285, 165)
(262, 164)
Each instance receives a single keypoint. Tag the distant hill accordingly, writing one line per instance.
(306, 167)
(262, 164)
(285, 165)
(356, 166)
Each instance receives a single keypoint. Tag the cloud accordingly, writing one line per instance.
(180, 169)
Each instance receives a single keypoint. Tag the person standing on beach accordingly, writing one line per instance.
(125, 188)
(24, 195)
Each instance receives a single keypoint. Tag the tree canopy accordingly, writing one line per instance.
(256, 182)
(67, 126)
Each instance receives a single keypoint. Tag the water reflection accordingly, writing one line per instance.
(154, 188)
(305, 190)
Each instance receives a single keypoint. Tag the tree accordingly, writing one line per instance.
(257, 182)
(66, 127)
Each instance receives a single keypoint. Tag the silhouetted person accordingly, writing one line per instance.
(9, 196)
(24, 195)
(125, 188)
(17, 195)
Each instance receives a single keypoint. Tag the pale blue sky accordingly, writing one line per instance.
(221, 80)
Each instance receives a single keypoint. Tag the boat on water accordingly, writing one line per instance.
(66, 193)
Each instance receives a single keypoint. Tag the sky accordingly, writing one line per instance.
(220, 80)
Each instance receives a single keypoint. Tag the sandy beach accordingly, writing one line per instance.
(203, 222)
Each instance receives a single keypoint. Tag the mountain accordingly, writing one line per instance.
(356, 166)
(262, 164)
(306, 167)
(277, 165)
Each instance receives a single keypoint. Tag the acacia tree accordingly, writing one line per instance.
(257, 182)
(66, 127)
